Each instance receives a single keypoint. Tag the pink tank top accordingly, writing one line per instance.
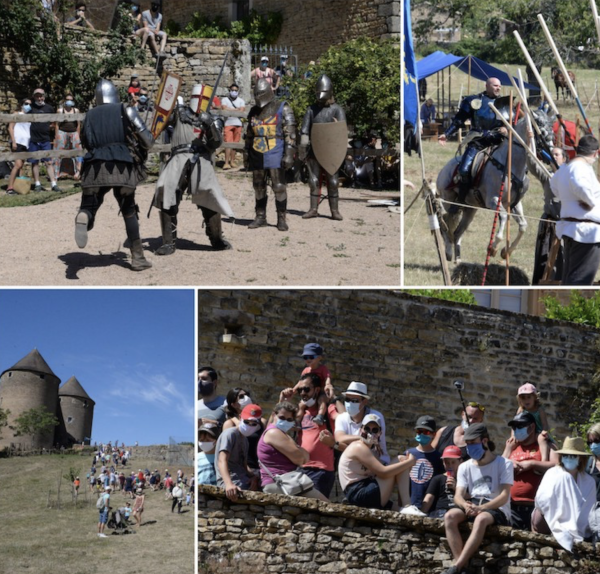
(275, 461)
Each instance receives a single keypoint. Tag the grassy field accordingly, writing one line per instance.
(36, 538)
(421, 263)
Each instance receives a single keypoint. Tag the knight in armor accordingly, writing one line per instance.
(486, 130)
(117, 141)
(271, 145)
(196, 136)
(324, 111)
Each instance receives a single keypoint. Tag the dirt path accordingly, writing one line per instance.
(37, 245)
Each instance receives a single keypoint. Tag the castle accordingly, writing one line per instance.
(31, 383)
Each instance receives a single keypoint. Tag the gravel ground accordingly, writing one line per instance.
(38, 247)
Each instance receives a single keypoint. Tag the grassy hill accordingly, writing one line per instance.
(45, 538)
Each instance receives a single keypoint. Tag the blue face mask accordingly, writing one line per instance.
(595, 448)
(423, 439)
(570, 462)
(69, 103)
(521, 434)
(233, 94)
(143, 99)
(285, 426)
(352, 408)
(26, 108)
(476, 451)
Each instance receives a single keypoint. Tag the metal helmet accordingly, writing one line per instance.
(106, 93)
(200, 98)
(324, 89)
(263, 92)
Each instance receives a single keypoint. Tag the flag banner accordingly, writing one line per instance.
(411, 102)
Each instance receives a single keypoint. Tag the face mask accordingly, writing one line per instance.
(285, 426)
(369, 439)
(310, 402)
(233, 94)
(352, 408)
(143, 99)
(423, 439)
(595, 448)
(69, 103)
(521, 434)
(464, 424)
(264, 64)
(245, 401)
(247, 430)
(207, 446)
(206, 388)
(476, 451)
(570, 462)
(38, 103)
(26, 108)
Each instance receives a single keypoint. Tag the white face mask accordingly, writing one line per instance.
(247, 430)
(352, 408)
(464, 424)
(245, 401)
(310, 402)
(207, 446)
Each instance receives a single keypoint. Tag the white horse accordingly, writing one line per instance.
(486, 189)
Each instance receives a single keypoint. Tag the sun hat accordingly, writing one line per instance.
(357, 388)
(573, 445)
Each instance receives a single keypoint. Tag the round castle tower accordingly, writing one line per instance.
(76, 413)
(29, 384)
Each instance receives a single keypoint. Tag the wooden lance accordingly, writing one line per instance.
(508, 189)
(563, 68)
(596, 19)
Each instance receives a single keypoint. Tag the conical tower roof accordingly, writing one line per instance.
(73, 388)
(33, 362)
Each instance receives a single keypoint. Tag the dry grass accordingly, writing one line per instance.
(421, 263)
(45, 540)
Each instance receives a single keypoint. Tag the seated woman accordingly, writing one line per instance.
(365, 481)
(237, 399)
(593, 467)
(565, 497)
(278, 452)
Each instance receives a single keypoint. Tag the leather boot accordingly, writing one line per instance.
(333, 205)
(168, 226)
(214, 231)
(261, 214)
(463, 190)
(82, 221)
(138, 261)
(281, 222)
(314, 207)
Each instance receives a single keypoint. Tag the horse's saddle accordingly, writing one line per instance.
(477, 166)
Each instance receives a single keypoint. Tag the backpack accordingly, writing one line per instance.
(100, 503)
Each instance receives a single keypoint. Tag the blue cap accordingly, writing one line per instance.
(312, 349)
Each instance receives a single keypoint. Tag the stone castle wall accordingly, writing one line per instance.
(408, 350)
(273, 533)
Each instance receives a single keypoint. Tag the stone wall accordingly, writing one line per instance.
(274, 533)
(408, 350)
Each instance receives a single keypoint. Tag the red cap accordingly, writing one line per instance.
(452, 452)
(250, 412)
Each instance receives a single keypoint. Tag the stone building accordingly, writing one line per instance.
(30, 383)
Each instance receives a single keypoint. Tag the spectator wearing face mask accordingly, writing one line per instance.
(79, 19)
(211, 406)
(19, 142)
(455, 435)
(232, 132)
(152, 20)
(145, 103)
(68, 137)
(263, 71)
(348, 424)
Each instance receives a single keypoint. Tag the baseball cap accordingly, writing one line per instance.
(426, 422)
(312, 349)
(251, 412)
(371, 418)
(452, 452)
(38, 91)
(264, 59)
(523, 418)
(526, 389)
(212, 429)
(476, 430)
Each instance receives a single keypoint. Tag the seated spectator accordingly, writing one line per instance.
(134, 85)
(565, 497)
(529, 402)
(211, 406)
(428, 112)
(365, 481)
(482, 495)
(454, 435)
(593, 467)
(68, 137)
(79, 19)
(237, 399)
(152, 20)
(19, 142)
(439, 497)
(233, 472)
(138, 27)
(428, 464)
(348, 424)
(145, 103)
(530, 463)
(207, 442)
(278, 453)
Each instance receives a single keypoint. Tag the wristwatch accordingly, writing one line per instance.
(336, 444)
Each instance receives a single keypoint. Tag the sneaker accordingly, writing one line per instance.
(81, 228)
(412, 510)
(319, 420)
(56, 189)
(38, 187)
(11, 191)
(102, 535)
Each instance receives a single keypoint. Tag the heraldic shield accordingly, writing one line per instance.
(329, 144)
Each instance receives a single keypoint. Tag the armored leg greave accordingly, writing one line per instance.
(314, 206)
(261, 214)
(168, 226)
(281, 210)
(214, 229)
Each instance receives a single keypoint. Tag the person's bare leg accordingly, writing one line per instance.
(14, 172)
(386, 486)
(35, 168)
(451, 521)
(163, 42)
(144, 37)
(482, 521)
(403, 483)
(51, 174)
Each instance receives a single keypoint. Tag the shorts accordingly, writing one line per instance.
(21, 148)
(366, 493)
(232, 134)
(323, 479)
(160, 34)
(521, 516)
(39, 146)
(499, 517)
(103, 519)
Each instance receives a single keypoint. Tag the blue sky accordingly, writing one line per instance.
(133, 351)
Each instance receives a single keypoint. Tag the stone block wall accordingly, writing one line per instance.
(408, 350)
(284, 534)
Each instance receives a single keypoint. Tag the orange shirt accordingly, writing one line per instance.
(320, 455)
(526, 483)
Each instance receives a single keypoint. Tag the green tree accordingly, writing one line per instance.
(38, 420)
(458, 295)
(3, 419)
(366, 83)
(582, 310)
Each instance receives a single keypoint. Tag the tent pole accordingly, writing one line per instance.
(469, 81)
(437, 77)
(450, 90)
(443, 86)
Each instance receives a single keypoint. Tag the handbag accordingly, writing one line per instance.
(292, 483)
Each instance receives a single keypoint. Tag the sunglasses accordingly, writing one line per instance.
(476, 406)
(304, 390)
(593, 441)
(242, 396)
(308, 357)
(425, 432)
(251, 423)
(353, 400)
(373, 430)
(289, 420)
(521, 426)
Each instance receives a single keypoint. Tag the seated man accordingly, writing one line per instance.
(440, 492)
(482, 495)
(152, 20)
(233, 472)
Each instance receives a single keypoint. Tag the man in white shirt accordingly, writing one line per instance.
(233, 126)
(575, 185)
